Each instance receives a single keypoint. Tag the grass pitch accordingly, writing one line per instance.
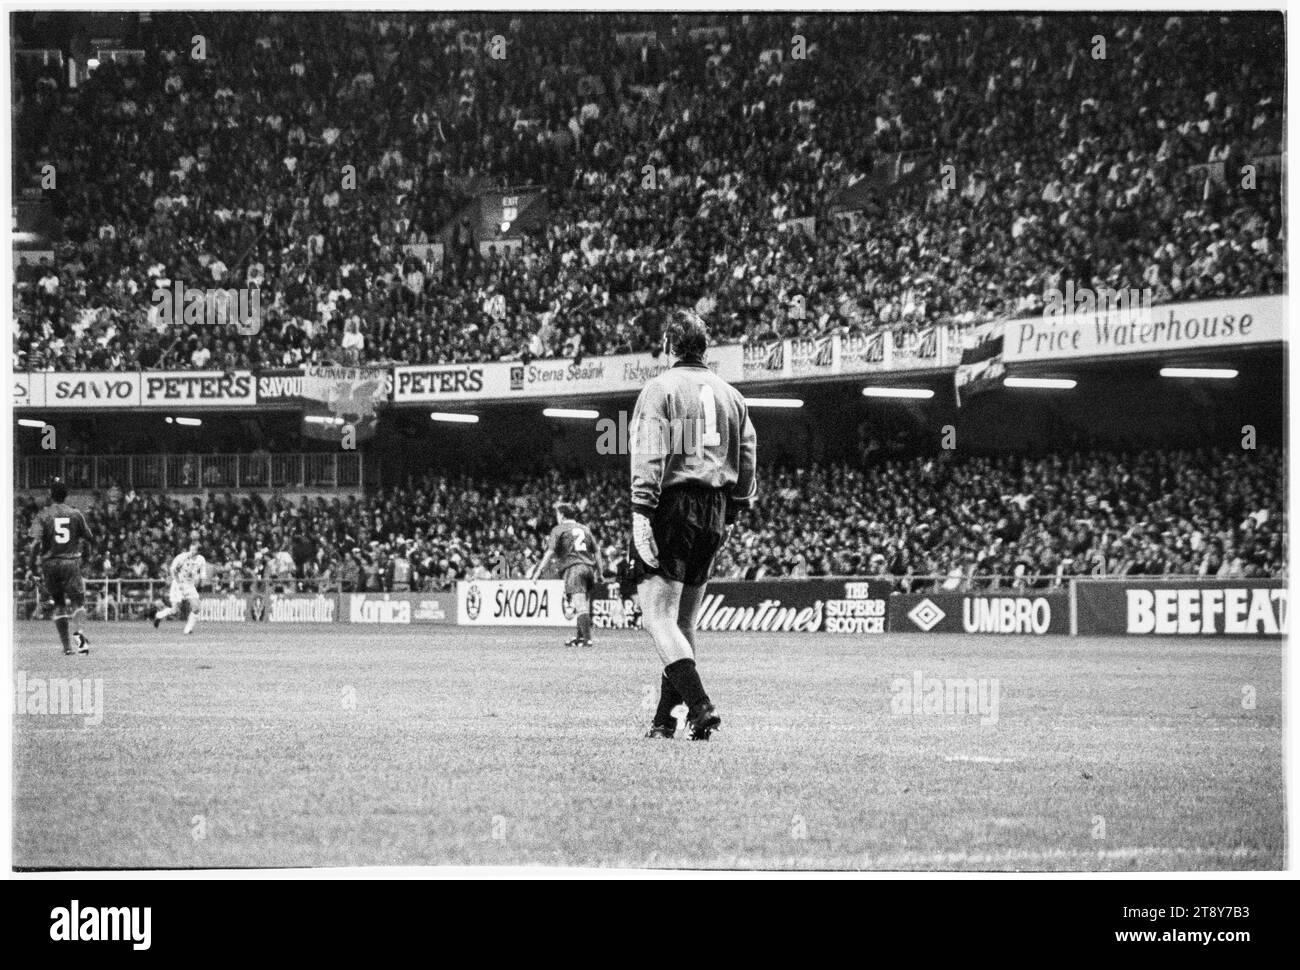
(261, 745)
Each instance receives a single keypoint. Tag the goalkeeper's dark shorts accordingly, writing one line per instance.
(689, 526)
(63, 585)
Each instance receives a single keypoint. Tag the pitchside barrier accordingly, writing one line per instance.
(258, 601)
(873, 605)
(1086, 606)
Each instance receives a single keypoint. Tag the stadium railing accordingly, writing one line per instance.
(931, 583)
(993, 582)
(193, 472)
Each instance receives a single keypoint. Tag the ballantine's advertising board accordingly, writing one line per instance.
(1211, 607)
(796, 606)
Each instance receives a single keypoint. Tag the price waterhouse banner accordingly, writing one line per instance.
(1211, 607)
(1162, 328)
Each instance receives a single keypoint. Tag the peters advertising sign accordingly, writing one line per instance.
(425, 384)
(1001, 612)
(1211, 608)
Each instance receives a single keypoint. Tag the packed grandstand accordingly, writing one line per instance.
(1027, 522)
(228, 171)
(678, 171)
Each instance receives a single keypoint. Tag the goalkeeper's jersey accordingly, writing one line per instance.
(691, 427)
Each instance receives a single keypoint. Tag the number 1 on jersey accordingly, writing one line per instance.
(708, 404)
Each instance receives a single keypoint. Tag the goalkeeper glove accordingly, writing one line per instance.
(643, 538)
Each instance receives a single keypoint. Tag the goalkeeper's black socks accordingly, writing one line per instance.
(684, 677)
(584, 626)
(61, 624)
(668, 699)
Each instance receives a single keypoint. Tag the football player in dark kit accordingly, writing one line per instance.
(693, 460)
(57, 534)
(578, 555)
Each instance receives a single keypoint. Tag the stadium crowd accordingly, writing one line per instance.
(967, 520)
(686, 160)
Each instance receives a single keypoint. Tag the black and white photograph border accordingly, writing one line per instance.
(648, 443)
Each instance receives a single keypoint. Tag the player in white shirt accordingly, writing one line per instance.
(186, 572)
